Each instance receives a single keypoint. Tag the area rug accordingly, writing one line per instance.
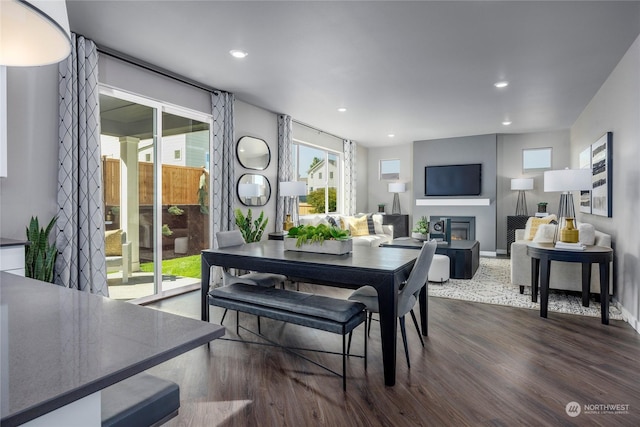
(491, 285)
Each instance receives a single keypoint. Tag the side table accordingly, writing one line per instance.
(400, 224)
(543, 253)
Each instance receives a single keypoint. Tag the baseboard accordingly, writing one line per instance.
(501, 251)
(488, 253)
(630, 318)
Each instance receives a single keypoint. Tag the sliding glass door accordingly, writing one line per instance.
(155, 161)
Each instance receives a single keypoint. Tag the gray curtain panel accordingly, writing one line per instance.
(350, 151)
(80, 228)
(285, 205)
(223, 162)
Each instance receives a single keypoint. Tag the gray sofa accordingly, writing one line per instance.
(564, 275)
(383, 234)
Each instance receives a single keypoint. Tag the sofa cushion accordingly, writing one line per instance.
(545, 233)
(533, 223)
(113, 243)
(586, 234)
(377, 224)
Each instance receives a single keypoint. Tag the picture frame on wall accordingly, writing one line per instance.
(601, 173)
(585, 196)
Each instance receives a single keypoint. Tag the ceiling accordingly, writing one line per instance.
(418, 70)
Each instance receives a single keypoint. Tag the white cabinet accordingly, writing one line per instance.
(12, 256)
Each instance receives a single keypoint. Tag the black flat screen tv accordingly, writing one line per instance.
(453, 180)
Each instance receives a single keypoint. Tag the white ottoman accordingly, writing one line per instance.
(439, 270)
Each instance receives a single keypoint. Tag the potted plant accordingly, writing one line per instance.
(251, 229)
(321, 238)
(542, 207)
(381, 207)
(40, 256)
(421, 229)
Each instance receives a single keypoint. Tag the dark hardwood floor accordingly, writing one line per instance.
(481, 365)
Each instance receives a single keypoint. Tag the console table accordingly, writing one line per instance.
(400, 224)
(543, 253)
(464, 254)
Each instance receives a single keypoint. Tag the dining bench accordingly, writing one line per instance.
(309, 310)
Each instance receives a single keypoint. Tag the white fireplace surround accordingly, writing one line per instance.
(453, 202)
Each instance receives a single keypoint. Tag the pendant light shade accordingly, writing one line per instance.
(33, 32)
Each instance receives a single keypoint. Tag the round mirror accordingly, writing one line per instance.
(253, 153)
(253, 190)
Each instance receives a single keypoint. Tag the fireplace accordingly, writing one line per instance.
(462, 227)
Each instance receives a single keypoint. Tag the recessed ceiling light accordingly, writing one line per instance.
(391, 135)
(501, 84)
(342, 109)
(238, 53)
(506, 123)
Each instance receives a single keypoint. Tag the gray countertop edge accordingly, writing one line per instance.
(59, 401)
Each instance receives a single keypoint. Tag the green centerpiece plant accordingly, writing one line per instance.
(320, 233)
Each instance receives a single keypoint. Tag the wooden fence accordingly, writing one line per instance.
(179, 183)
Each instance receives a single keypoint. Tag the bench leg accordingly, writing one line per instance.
(365, 344)
(223, 316)
(237, 323)
(344, 362)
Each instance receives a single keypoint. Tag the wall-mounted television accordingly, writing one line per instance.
(453, 180)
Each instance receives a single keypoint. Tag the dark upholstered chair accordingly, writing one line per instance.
(407, 296)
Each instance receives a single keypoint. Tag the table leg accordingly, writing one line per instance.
(604, 292)
(535, 274)
(205, 272)
(545, 270)
(424, 309)
(586, 283)
(388, 306)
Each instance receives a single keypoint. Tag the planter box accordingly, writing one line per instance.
(334, 247)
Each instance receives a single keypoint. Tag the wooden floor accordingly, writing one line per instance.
(481, 365)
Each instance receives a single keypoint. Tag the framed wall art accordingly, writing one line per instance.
(601, 171)
(585, 196)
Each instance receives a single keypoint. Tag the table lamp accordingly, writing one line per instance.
(291, 189)
(395, 188)
(521, 185)
(566, 181)
(249, 191)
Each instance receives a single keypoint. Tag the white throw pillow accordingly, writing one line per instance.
(587, 234)
(545, 233)
(377, 223)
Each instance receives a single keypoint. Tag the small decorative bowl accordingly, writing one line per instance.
(419, 236)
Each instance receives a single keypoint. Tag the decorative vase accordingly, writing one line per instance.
(333, 247)
(288, 223)
(419, 236)
(569, 234)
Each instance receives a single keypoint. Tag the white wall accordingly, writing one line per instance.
(616, 108)
(378, 191)
(32, 149)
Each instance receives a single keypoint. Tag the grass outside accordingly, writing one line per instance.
(188, 266)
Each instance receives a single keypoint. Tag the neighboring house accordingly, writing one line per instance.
(320, 176)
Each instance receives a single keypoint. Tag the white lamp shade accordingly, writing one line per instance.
(397, 187)
(33, 32)
(293, 188)
(522, 184)
(567, 180)
(249, 190)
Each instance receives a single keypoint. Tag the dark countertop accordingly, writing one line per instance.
(12, 242)
(59, 345)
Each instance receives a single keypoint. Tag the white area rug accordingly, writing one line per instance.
(491, 285)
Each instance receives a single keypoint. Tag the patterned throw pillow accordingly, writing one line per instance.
(533, 224)
(372, 229)
(332, 221)
(359, 226)
(113, 243)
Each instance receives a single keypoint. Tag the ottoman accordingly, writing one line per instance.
(439, 270)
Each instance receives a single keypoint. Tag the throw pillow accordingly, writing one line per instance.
(377, 224)
(332, 221)
(545, 233)
(359, 226)
(113, 243)
(533, 224)
(587, 234)
(372, 229)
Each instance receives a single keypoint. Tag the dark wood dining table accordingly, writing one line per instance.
(380, 268)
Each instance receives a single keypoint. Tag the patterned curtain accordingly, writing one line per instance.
(350, 150)
(285, 205)
(223, 162)
(80, 239)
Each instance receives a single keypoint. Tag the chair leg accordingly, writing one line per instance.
(259, 331)
(365, 344)
(349, 344)
(415, 322)
(344, 363)
(223, 315)
(237, 323)
(370, 322)
(403, 330)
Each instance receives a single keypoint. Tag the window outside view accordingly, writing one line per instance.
(320, 170)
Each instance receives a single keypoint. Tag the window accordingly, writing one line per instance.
(147, 157)
(313, 165)
(177, 154)
(536, 159)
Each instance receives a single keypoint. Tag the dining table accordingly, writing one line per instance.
(381, 268)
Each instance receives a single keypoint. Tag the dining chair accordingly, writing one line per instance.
(407, 295)
(268, 280)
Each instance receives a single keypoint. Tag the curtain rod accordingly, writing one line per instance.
(154, 68)
(318, 130)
